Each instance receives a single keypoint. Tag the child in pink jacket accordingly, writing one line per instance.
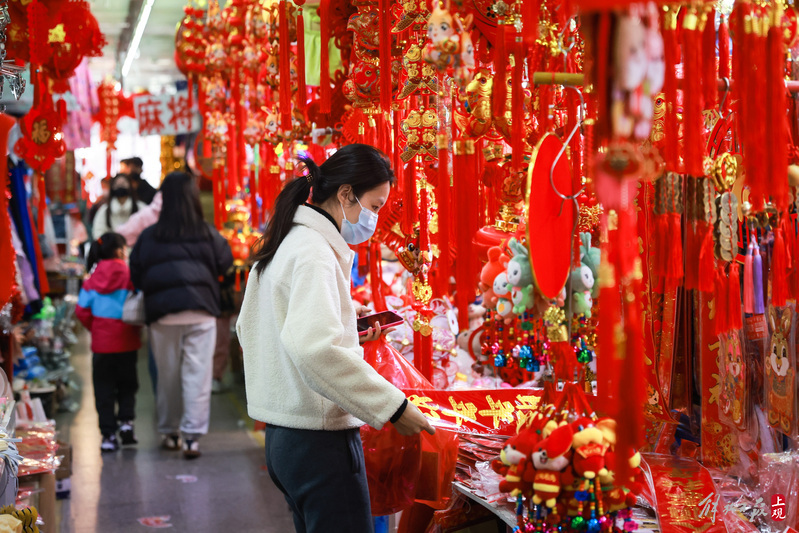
(115, 344)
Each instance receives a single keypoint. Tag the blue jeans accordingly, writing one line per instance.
(322, 474)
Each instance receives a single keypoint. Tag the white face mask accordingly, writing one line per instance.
(362, 230)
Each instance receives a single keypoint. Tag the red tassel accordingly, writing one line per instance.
(777, 146)
(517, 104)
(709, 86)
(325, 92)
(285, 67)
(724, 49)
(565, 360)
(671, 53)
(238, 280)
(302, 91)
(779, 267)
(722, 295)
(692, 99)
(444, 214)
(500, 88)
(385, 55)
(674, 252)
(734, 321)
(531, 12)
(232, 163)
(706, 260)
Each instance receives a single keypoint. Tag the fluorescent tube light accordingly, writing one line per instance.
(138, 33)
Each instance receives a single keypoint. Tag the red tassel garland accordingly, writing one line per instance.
(692, 97)
(709, 86)
(671, 53)
(325, 92)
(724, 59)
(302, 91)
(500, 88)
(517, 106)
(777, 157)
(779, 267)
(285, 67)
(385, 54)
(444, 213)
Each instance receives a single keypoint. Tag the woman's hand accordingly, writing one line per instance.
(362, 310)
(413, 422)
(372, 334)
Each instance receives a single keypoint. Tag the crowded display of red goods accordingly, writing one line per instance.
(419, 266)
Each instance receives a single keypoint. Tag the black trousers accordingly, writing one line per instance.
(115, 386)
(322, 476)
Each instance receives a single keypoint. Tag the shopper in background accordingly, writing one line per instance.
(122, 204)
(133, 167)
(114, 342)
(177, 264)
(222, 348)
(105, 185)
(304, 369)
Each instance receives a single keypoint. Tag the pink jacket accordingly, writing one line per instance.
(141, 220)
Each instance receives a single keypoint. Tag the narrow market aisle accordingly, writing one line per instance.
(227, 489)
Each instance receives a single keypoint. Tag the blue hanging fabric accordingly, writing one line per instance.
(19, 209)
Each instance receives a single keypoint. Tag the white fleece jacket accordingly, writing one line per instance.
(303, 365)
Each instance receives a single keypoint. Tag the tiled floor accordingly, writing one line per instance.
(111, 492)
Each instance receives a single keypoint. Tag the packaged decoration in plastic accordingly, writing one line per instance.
(392, 460)
(780, 370)
(733, 398)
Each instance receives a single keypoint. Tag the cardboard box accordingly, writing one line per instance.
(65, 452)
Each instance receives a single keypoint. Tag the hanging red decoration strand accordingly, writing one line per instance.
(671, 52)
(385, 54)
(500, 88)
(285, 67)
(693, 122)
(709, 85)
(302, 91)
(325, 92)
(777, 156)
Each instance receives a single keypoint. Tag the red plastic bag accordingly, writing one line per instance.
(439, 455)
(392, 461)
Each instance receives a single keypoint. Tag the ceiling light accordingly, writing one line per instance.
(138, 33)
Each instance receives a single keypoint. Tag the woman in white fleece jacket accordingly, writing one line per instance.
(304, 368)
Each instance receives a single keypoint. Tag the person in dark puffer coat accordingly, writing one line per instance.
(177, 263)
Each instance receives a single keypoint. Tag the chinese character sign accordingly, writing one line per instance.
(778, 507)
(166, 114)
(496, 412)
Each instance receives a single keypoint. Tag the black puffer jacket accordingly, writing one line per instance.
(179, 276)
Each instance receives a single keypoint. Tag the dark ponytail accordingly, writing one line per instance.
(105, 247)
(361, 166)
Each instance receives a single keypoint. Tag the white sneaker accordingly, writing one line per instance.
(217, 387)
(191, 449)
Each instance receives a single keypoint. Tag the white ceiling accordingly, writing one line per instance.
(154, 67)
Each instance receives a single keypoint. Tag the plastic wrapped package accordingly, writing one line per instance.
(780, 370)
(778, 484)
(392, 460)
(38, 448)
(486, 482)
(733, 369)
